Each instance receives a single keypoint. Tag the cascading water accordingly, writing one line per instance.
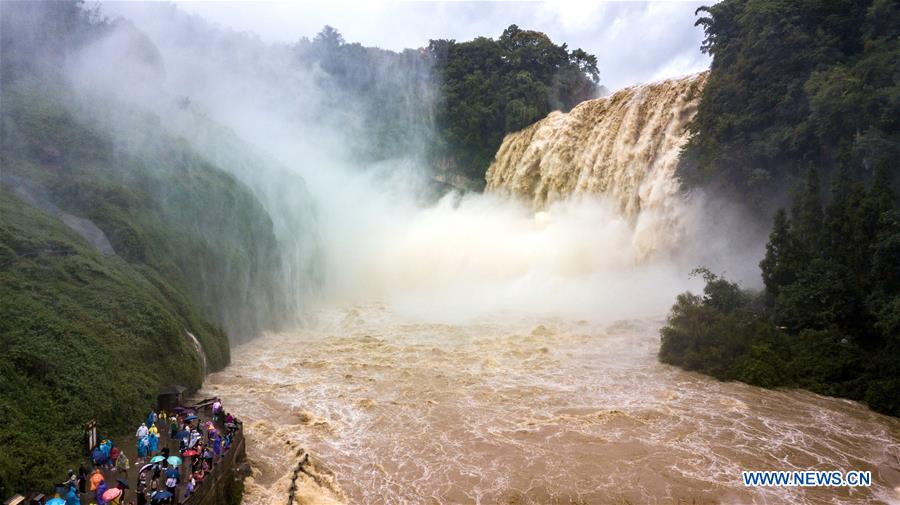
(198, 347)
(625, 146)
(482, 350)
(494, 348)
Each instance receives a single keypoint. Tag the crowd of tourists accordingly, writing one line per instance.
(167, 473)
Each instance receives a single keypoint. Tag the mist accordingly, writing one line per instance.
(359, 222)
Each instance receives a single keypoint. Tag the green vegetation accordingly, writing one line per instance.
(795, 85)
(797, 88)
(828, 319)
(453, 102)
(86, 333)
(489, 88)
(83, 336)
(157, 201)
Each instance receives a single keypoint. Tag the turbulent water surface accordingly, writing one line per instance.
(625, 146)
(510, 410)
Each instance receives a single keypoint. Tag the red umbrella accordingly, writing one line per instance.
(189, 453)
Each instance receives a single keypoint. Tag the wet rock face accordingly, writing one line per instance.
(90, 232)
(35, 197)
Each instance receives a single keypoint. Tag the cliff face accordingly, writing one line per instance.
(122, 269)
(625, 146)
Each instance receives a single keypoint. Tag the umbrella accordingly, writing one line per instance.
(156, 459)
(56, 501)
(190, 417)
(145, 467)
(188, 453)
(160, 496)
(122, 483)
(174, 460)
(180, 409)
(111, 493)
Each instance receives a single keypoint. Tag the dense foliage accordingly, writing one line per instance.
(829, 317)
(489, 88)
(83, 336)
(795, 85)
(796, 88)
(452, 102)
(87, 332)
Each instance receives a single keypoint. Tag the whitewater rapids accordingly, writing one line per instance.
(528, 411)
(513, 357)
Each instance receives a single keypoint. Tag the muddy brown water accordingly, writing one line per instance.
(520, 411)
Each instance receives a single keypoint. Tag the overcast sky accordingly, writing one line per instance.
(634, 41)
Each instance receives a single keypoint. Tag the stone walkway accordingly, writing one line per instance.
(129, 446)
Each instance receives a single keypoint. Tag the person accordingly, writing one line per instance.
(217, 445)
(174, 428)
(114, 456)
(143, 446)
(142, 431)
(151, 418)
(96, 479)
(172, 477)
(207, 456)
(106, 447)
(122, 463)
(140, 489)
(153, 433)
(189, 489)
(98, 457)
(101, 488)
(71, 479)
(82, 478)
(72, 497)
(216, 409)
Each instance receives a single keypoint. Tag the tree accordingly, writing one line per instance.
(492, 87)
(779, 267)
(807, 215)
(793, 85)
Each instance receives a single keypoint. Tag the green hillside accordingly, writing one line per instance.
(114, 244)
(802, 110)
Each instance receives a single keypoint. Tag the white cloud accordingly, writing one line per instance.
(634, 41)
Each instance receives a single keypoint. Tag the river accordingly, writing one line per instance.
(519, 410)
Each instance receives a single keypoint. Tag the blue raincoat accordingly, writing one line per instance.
(72, 497)
(98, 456)
(101, 488)
(143, 446)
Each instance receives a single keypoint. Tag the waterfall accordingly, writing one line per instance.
(625, 146)
(199, 348)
